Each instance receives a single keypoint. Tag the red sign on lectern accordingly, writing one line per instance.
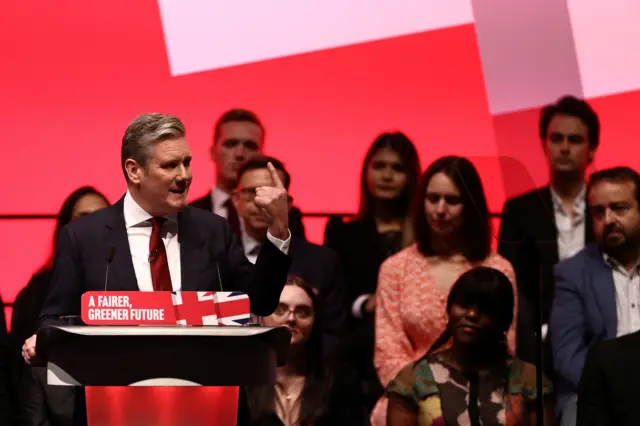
(165, 308)
(198, 406)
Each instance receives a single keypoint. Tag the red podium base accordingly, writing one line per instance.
(162, 406)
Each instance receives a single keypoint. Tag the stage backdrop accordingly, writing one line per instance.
(458, 76)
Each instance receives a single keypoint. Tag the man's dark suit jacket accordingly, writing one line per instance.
(320, 267)
(584, 313)
(608, 393)
(295, 215)
(3, 321)
(529, 240)
(205, 239)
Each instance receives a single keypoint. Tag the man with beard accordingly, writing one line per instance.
(597, 291)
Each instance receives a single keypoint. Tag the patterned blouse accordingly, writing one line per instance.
(444, 396)
(411, 313)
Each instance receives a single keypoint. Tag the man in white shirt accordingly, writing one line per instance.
(153, 241)
(550, 223)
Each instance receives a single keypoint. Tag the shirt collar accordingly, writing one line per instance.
(250, 244)
(611, 261)
(219, 197)
(134, 215)
(578, 202)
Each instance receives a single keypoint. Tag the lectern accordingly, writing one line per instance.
(146, 360)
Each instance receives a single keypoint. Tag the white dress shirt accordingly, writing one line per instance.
(627, 285)
(251, 246)
(571, 229)
(218, 199)
(138, 223)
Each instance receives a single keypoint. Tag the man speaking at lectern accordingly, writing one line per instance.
(151, 240)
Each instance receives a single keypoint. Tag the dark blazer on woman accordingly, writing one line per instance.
(361, 252)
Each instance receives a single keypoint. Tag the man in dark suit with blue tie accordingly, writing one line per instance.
(598, 290)
(153, 241)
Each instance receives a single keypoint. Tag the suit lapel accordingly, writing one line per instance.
(191, 245)
(295, 245)
(589, 237)
(121, 265)
(548, 228)
(209, 201)
(604, 290)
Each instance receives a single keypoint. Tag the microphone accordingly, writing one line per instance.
(215, 259)
(110, 254)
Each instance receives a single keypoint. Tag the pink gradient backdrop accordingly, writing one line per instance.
(606, 33)
(208, 34)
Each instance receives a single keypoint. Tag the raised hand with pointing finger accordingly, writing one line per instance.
(273, 201)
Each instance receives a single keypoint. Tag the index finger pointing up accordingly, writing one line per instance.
(274, 176)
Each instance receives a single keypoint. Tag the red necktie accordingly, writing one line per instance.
(158, 258)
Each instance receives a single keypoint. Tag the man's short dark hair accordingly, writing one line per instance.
(261, 163)
(616, 174)
(236, 114)
(573, 107)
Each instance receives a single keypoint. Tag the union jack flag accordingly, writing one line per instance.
(211, 308)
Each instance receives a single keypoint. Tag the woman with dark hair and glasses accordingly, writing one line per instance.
(468, 376)
(381, 228)
(309, 390)
(40, 403)
(452, 230)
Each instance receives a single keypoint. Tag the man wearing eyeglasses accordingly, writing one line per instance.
(316, 264)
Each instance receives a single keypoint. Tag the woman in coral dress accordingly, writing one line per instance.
(453, 234)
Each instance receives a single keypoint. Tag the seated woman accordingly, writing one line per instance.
(468, 376)
(308, 390)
